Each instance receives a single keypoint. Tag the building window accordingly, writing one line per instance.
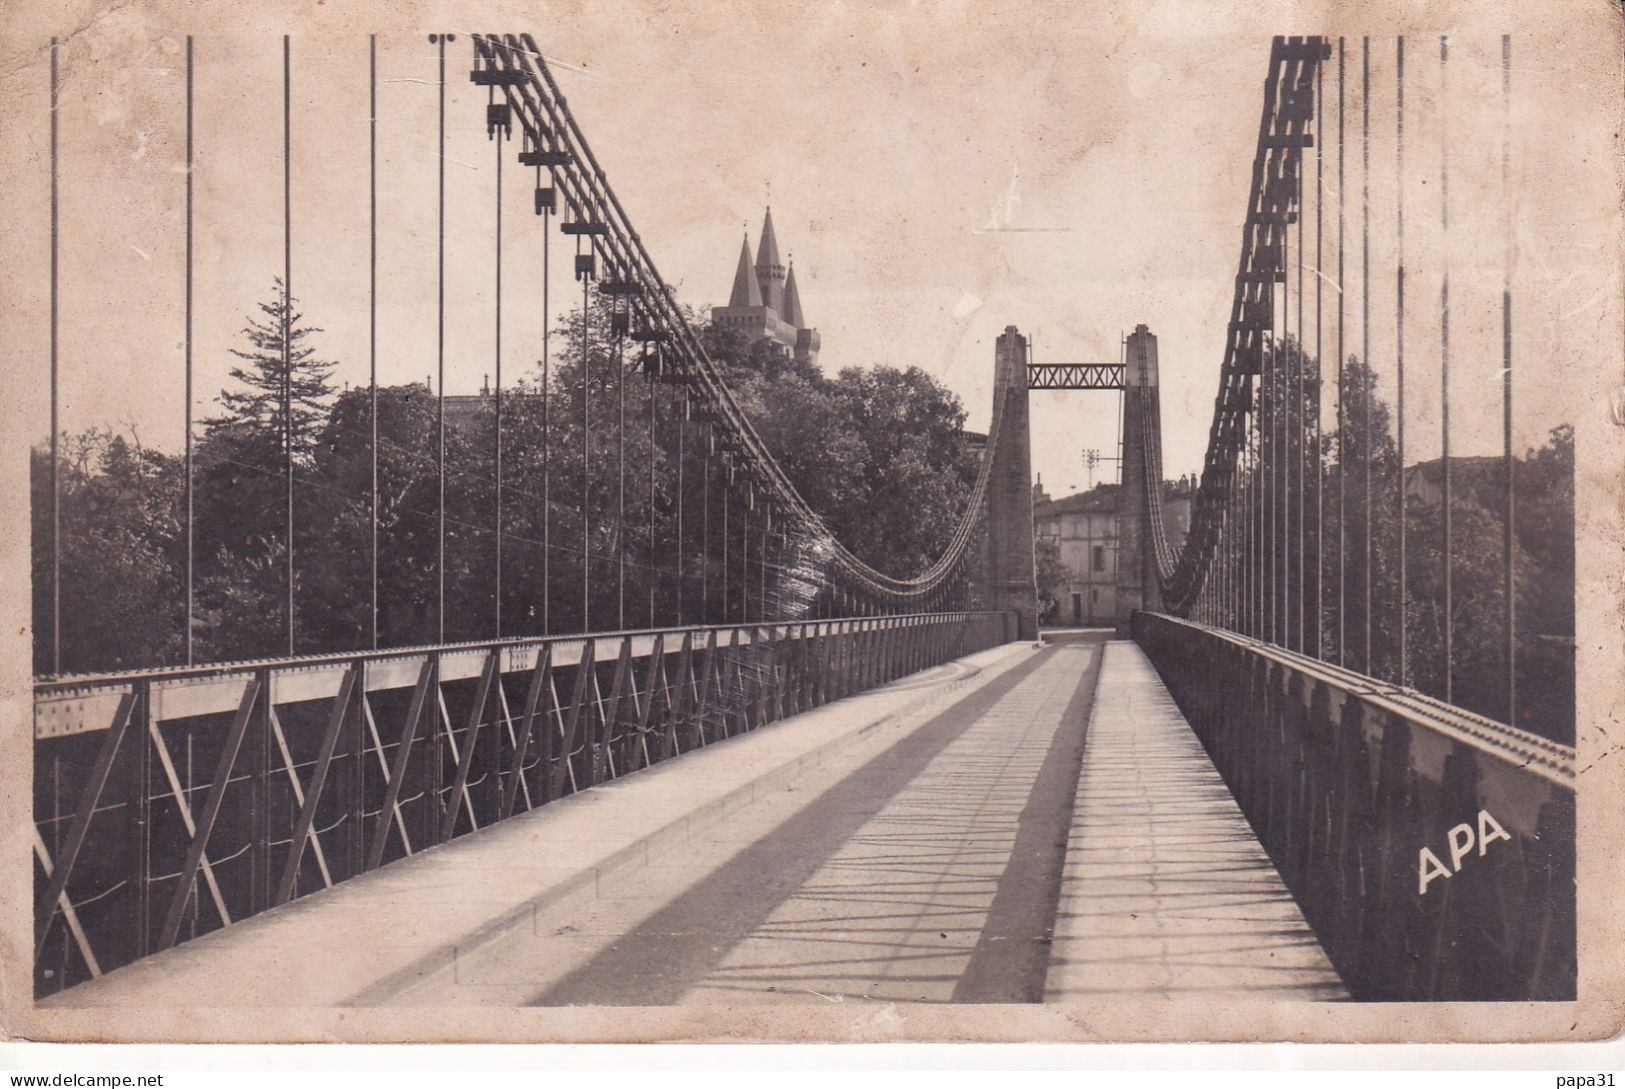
(1098, 561)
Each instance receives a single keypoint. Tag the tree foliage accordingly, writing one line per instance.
(604, 517)
(281, 384)
(122, 554)
(277, 406)
(1052, 577)
(1359, 560)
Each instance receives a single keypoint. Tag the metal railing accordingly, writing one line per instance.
(175, 802)
(1431, 849)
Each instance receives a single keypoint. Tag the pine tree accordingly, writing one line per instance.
(270, 382)
(242, 536)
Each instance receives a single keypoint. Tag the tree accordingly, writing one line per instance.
(1052, 578)
(1542, 561)
(242, 461)
(335, 612)
(910, 488)
(122, 555)
(284, 385)
(877, 453)
(1544, 526)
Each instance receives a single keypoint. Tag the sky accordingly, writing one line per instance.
(1111, 146)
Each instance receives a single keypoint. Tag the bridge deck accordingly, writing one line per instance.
(1167, 891)
(917, 843)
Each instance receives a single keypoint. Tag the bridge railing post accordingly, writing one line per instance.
(673, 729)
(761, 662)
(735, 709)
(840, 636)
(880, 652)
(834, 661)
(797, 667)
(355, 788)
(864, 656)
(257, 754)
(138, 771)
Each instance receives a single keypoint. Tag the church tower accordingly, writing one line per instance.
(765, 303)
(770, 273)
(806, 346)
(747, 292)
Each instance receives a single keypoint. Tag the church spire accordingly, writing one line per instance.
(769, 268)
(745, 292)
(767, 254)
(792, 301)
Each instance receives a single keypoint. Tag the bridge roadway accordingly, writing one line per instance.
(1020, 825)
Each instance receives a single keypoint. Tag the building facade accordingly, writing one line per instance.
(1084, 528)
(765, 303)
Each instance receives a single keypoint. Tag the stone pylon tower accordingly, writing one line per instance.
(1012, 583)
(1136, 562)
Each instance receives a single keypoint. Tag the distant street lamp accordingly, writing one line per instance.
(1091, 458)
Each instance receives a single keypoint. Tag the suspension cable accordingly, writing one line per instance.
(1401, 621)
(1367, 381)
(747, 528)
(545, 200)
(190, 514)
(287, 315)
(1320, 365)
(620, 469)
(1295, 364)
(652, 389)
(56, 451)
(586, 440)
(440, 354)
(191, 565)
(1509, 528)
(705, 539)
(1259, 481)
(1277, 443)
(678, 568)
(727, 496)
(1447, 619)
(497, 138)
(1342, 378)
(538, 94)
(372, 319)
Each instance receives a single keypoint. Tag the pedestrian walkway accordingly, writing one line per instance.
(1022, 825)
(891, 885)
(1167, 892)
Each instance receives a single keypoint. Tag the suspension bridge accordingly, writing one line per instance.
(791, 776)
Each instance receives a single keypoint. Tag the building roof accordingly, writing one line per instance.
(746, 292)
(792, 302)
(1101, 499)
(767, 254)
(1433, 470)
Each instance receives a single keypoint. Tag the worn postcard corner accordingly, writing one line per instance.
(874, 523)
